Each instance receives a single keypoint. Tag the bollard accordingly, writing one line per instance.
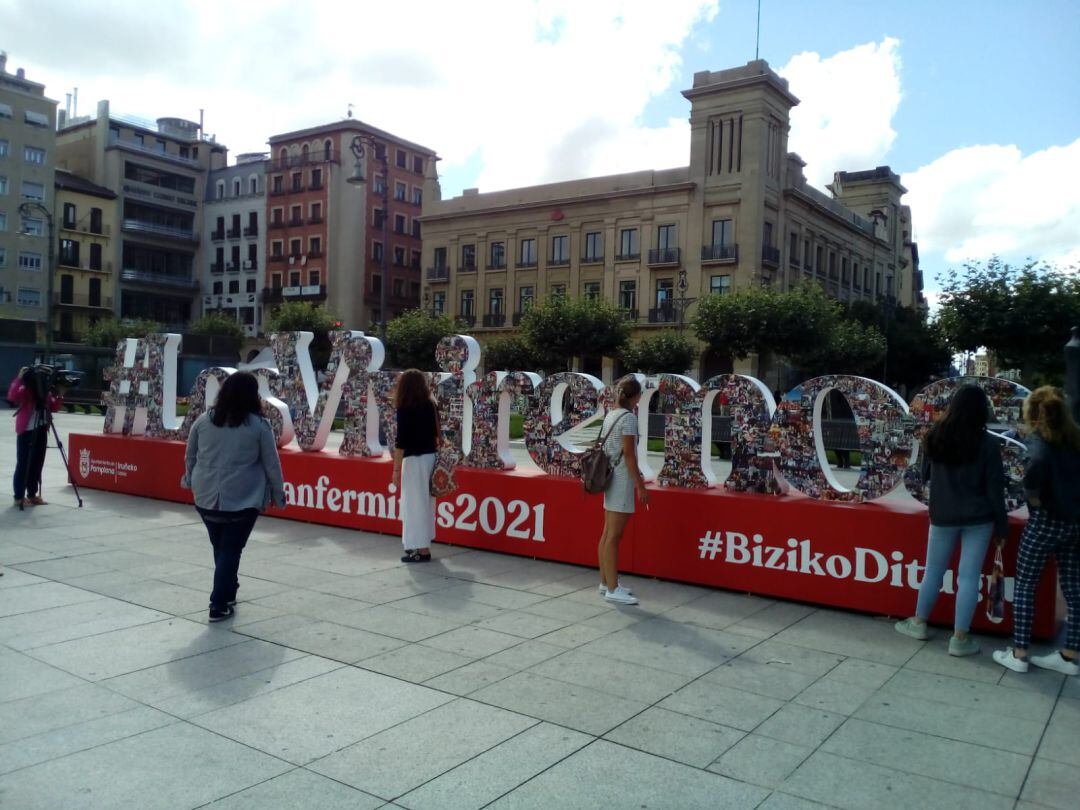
(1072, 372)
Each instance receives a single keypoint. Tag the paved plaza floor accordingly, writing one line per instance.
(347, 680)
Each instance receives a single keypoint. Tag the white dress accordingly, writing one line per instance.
(619, 496)
(417, 502)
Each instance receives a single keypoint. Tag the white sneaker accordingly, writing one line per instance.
(1055, 662)
(602, 590)
(1009, 661)
(621, 596)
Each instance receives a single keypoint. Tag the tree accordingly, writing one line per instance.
(850, 348)
(301, 316)
(566, 328)
(216, 324)
(1021, 314)
(514, 353)
(412, 336)
(668, 351)
(109, 331)
(916, 348)
(761, 319)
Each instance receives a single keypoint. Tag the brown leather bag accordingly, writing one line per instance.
(596, 467)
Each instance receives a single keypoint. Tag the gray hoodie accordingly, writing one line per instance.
(968, 494)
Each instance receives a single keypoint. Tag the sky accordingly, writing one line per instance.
(973, 102)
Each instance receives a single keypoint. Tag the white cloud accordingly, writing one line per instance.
(539, 90)
(848, 100)
(978, 201)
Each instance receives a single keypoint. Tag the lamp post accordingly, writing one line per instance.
(682, 302)
(25, 210)
(357, 147)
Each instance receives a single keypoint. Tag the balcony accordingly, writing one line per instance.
(296, 188)
(631, 314)
(251, 264)
(163, 231)
(627, 257)
(315, 221)
(251, 230)
(720, 254)
(217, 268)
(132, 275)
(67, 264)
(82, 300)
(275, 258)
(494, 320)
(278, 192)
(232, 267)
(794, 262)
(233, 233)
(318, 156)
(296, 222)
(275, 295)
(439, 273)
(516, 320)
(661, 257)
(315, 254)
(558, 263)
(467, 320)
(467, 267)
(153, 152)
(217, 236)
(500, 265)
(523, 265)
(770, 256)
(316, 185)
(665, 314)
(276, 224)
(592, 259)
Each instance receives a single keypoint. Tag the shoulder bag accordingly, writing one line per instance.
(596, 467)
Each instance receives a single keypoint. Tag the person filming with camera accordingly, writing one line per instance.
(34, 403)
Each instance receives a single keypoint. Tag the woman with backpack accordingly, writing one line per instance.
(1052, 487)
(962, 463)
(620, 437)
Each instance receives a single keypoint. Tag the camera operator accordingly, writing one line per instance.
(32, 431)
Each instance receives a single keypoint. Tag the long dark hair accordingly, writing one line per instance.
(412, 390)
(237, 399)
(958, 436)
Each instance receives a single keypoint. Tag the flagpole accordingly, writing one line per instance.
(757, 39)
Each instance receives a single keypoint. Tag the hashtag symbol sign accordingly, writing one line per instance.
(710, 545)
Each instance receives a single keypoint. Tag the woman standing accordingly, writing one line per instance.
(233, 470)
(962, 462)
(620, 432)
(1052, 486)
(31, 436)
(414, 460)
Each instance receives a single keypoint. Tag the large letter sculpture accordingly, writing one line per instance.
(562, 402)
(687, 459)
(491, 399)
(747, 406)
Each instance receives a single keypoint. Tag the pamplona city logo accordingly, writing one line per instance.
(84, 462)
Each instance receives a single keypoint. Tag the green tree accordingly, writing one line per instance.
(1021, 314)
(109, 331)
(916, 348)
(761, 319)
(412, 336)
(301, 316)
(850, 348)
(568, 328)
(216, 324)
(668, 351)
(514, 353)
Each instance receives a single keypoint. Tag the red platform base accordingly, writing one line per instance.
(865, 557)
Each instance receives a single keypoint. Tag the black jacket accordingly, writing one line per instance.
(1053, 476)
(966, 494)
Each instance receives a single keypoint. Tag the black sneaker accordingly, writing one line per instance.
(413, 556)
(217, 614)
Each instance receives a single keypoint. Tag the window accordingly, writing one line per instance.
(234, 286)
(438, 302)
(316, 213)
(720, 285)
(376, 251)
(33, 191)
(377, 218)
(296, 215)
(294, 278)
(560, 250)
(328, 149)
(440, 257)
(806, 254)
(416, 229)
(295, 247)
(3, 185)
(592, 290)
(219, 190)
(832, 264)
(276, 187)
(665, 288)
(558, 291)
(498, 254)
(722, 233)
(400, 191)
(275, 281)
(236, 187)
(628, 244)
(399, 256)
(297, 181)
(219, 287)
(527, 256)
(33, 226)
(36, 119)
(253, 185)
(495, 301)
(844, 277)
(665, 237)
(29, 260)
(185, 152)
(3, 148)
(3, 221)
(525, 299)
(594, 247)
(399, 224)
(414, 261)
(380, 184)
(276, 248)
(793, 248)
(5, 110)
(818, 259)
(3, 257)
(628, 294)
(95, 257)
(316, 178)
(315, 245)
(314, 278)
(31, 154)
(159, 177)
(417, 196)
(69, 215)
(767, 235)
(418, 164)
(468, 256)
(402, 159)
(69, 253)
(28, 297)
(95, 292)
(159, 146)
(137, 138)
(856, 278)
(399, 287)
(468, 303)
(253, 255)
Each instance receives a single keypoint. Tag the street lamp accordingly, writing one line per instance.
(25, 210)
(357, 147)
(682, 302)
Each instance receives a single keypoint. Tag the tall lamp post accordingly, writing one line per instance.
(26, 209)
(357, 147)
(682, 302)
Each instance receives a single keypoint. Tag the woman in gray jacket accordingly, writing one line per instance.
(233, 470)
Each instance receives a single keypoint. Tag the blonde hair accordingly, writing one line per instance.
(1047, 414)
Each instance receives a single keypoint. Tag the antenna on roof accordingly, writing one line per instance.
(757, 40)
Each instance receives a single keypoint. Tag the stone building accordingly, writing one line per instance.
(740, 213)
(27, 160)
(234, 259)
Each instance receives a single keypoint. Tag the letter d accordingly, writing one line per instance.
(861, 555)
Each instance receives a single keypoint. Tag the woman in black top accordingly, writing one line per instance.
(414, 460)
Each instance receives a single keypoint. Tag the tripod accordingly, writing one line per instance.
(44, 417)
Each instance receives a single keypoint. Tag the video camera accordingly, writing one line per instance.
(43, 380)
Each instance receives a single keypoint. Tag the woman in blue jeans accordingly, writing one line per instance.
(962, 462)
(233, 470)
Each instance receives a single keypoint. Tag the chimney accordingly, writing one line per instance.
(20, 74)
(75, 107)
(3, 61)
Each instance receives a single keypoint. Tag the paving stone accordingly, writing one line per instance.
(761, 760)
(976, 696)
(858, 672)
(523, 625)
(1060, 743)
(801, 725)
(467, 679)
(773, 680)
(573, 783)
(680, 737)
(670, 646)
(390, 621)
(834, 696)
(569, 610)
(472, 642)
(851, 635)
(346, 644)
(43, 712)
(934, 658)
(298, 788)
(54, 625)
(718, 610)
(415, 663)
(573, 635)
(40, 596)
(1053, 784)
(772, 620)
(22, 676)
(722, 704)
(614, 677)
(525, 655)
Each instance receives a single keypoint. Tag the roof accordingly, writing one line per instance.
(350, 124)
(72, 182)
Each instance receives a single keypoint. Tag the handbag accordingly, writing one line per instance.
(442, 481)
(596, 467)
(995, 590)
